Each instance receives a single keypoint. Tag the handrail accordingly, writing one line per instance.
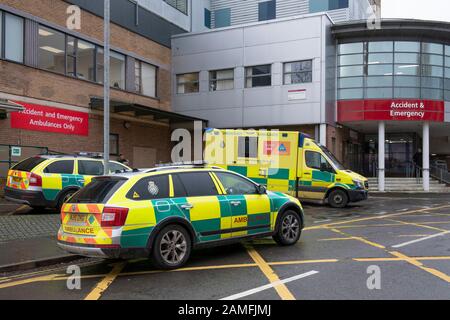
(442, 175)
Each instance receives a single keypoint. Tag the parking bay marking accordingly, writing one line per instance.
(103, 285)
(421, 239)
(270, 285)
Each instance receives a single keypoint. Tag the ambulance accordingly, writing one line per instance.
(288, 162)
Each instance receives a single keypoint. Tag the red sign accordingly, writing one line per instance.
(395, 110)
(282, 148)
(42, 118)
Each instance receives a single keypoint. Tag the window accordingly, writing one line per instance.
(381, 46)
(377, 58)
(145, 79)
(51, 50)
(90, 167)
(150, 188)
(207, 18)
(235, 185)
(100, 60)
(114, 144)
(178, 188)
(188, 83)
(267, 10)
(258, 76)
(80, 59)
(222, 18)
(114, 166)
(61, 167)
(407, 46)
(14, 38)
(28, 164)
(198, 184)
(351, 71)
(221, 80)
(349, 48)
(325, 5)
(298, 72)
(351, 59)
(354, 82)
(180, 5)
(247, 147)
(117, 70)
(315, 160)
(347, 94)
(380, 70)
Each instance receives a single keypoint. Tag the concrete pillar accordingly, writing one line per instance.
(426, 156)
(323, 134)
(381, 157)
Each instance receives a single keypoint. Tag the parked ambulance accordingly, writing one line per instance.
(288, 162)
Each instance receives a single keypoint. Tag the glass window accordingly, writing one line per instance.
(379, 58)
(100, 65)
(113, 144)
(178, 188)
(198, 184)
(267, 10)
(29, 164)
(145, 78)
(407, 58)
(150, 188)
(14, 38)
(432, 59)
(221, 80)
(258, 76)
(447, 95)
(349, 48)
(298, 72)
(351, 59)
(351, 71)
(188, 83)
(98, 191)
(345, 94)
(381, 46)
(432, 48)
(447, 62)
(115, 167)
(90, 167)
(80, 59)
(432, 94)
(447, 72)
(247, 147)
(407, 69)
(379, 93)
(432, 71)
(380, 70)
(447, 50)
(52, 50)
(447, 84)
(180, 5)
(61, 167)
(408, 93)
(71, 56)
(407, 46)
(379, 81)
(222, 18)
(207, 18)
(315, 160)
(406, 81)
(318, 5)
(235, 185)
(354, 82)
(117, 70)
(436, 83)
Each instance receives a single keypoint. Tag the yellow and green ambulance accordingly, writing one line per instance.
(289, 162)
(49, 181)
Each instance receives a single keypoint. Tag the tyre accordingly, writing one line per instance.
(338, 198)
(172, 248)
(289, 229)
(64, 198)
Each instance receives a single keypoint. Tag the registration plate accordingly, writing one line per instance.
(17, 179)
(78, 218)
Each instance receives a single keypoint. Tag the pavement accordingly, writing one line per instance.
(389, 247)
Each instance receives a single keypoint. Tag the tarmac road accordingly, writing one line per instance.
(384, 248)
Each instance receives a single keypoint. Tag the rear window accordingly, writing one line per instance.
(29, 164)
(60, 167)
(98, 191)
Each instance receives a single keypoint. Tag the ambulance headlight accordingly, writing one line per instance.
(358, 184)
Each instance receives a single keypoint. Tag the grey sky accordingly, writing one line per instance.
(416, 9)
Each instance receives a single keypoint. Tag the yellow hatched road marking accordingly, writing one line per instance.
(361, 239)
(101, 287)
(419, 225)
(337, 239)
(400, 259)
(281, 288)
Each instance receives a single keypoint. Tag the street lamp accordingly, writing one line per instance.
(106, 85)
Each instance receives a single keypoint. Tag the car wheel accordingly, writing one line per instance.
(172, 248)
(289, 229)
(64, 198)
(338, 199)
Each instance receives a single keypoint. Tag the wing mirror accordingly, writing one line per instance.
(262, 189)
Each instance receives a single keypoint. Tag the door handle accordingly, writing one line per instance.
(235, 203)
(187, 206)
(307, 174)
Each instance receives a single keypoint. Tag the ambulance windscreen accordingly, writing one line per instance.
(335, 161)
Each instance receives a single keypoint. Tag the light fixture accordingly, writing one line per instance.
(127, 125)
(52, 50)
(45, 33)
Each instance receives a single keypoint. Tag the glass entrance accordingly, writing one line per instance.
(399, 152)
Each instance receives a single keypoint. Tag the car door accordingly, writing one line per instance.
(57, 176)
(250, 210)
(320, 173)
(204, 205)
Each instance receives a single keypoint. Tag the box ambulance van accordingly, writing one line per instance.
(288, 162)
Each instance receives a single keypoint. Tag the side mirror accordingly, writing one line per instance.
(262, 189)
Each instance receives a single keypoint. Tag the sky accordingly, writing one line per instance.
(416, 9)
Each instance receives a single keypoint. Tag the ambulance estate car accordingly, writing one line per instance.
(166, 212)
(49, 181)
(289, 162)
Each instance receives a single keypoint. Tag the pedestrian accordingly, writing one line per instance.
(123, 160)
(418, 158)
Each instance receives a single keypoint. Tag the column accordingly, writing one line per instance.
(381, 157)
(426, 156)
(323, 134)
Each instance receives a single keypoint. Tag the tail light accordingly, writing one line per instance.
(35, 180)
(114, 217)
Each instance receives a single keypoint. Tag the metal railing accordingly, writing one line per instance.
(441, 174)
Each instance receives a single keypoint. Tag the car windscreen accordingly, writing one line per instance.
(28, 164)
(331, 156)
(98, 191)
